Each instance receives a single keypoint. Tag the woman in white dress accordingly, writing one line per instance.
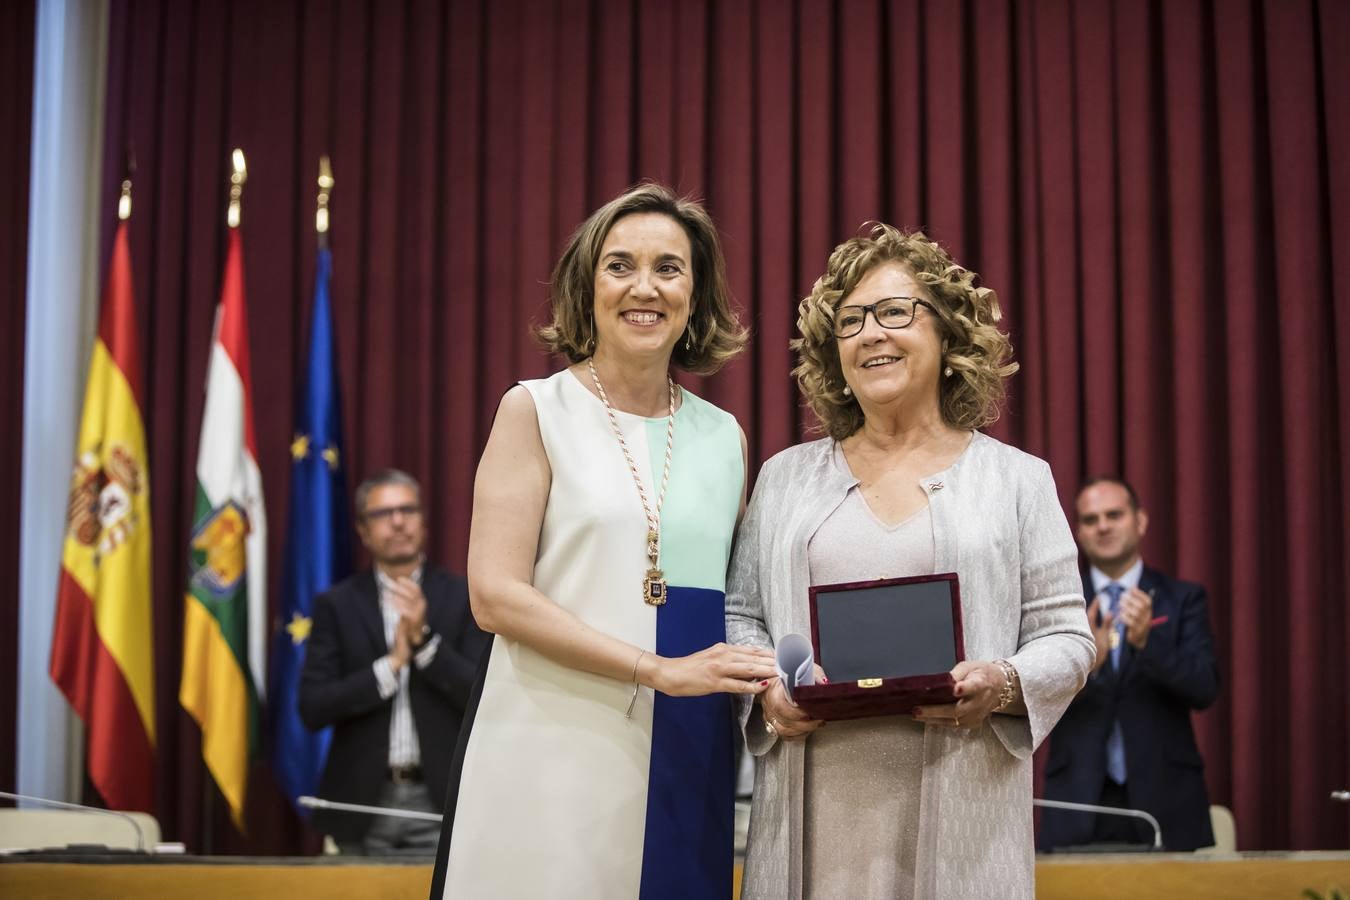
(599, 760)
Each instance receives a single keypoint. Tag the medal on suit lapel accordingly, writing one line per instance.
(654, 584)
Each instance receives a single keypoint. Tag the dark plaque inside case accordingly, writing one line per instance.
(886, 646)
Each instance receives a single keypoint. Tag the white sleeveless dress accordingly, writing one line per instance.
(560, 795)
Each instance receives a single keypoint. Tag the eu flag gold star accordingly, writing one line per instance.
(299, 628)
(300, 447)
(330, 456)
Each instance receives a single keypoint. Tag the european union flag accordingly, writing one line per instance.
(318, 545)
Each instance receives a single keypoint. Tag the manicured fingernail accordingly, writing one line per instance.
(824, 680)
(764, 684)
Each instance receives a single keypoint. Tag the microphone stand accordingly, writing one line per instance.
(1107, 811)
(319, 803)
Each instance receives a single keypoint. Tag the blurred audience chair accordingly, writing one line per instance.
(1225, 831)
(38, 829)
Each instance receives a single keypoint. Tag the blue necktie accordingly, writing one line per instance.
(1115, 743)
(1113, 591)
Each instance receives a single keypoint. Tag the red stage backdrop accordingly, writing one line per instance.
(17, 23)
(1160, 192)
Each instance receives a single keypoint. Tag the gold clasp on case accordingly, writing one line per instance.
(869, 682)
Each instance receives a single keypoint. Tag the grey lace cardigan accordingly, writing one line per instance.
(998, 524)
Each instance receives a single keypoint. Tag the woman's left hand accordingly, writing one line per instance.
(978, 686)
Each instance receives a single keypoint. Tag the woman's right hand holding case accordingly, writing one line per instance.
(783, 716)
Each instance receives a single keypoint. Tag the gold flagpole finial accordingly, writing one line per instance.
(238, 175)
(124, 202)
(325, 188)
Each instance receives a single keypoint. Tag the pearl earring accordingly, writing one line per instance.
(947, 372)
(848, 391)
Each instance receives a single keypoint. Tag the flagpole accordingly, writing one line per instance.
(208, 813)
(318, 534)
(233, 215)
(238, 175)
(193, 695)
(102, 650)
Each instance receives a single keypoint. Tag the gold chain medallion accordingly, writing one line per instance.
(654, 584)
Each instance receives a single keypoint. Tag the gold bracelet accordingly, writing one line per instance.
(1010, 680)
(633, 699)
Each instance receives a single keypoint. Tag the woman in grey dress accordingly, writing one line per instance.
(902, 361)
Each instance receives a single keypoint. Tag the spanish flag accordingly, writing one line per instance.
(224, 629)
(102, 650)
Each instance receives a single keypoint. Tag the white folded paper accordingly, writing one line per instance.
(796, 664)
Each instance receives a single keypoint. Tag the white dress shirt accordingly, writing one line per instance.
(1129, 580)
(403, 747)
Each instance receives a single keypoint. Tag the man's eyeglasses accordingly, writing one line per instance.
(380, 513)
(890, 312)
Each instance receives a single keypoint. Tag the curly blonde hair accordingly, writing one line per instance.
(979, 355)
(715, 334)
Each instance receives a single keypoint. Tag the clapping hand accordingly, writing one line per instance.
(407, 597)
(401, 652)
(1136, 611)
(411, 603)
(1101, 625)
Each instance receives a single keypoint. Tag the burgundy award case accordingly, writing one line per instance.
(887, 646)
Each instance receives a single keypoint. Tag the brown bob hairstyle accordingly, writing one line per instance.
(978, 353)
(714, 332)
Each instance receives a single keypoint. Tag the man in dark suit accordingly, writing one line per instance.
(392, 657)
(1126, 740)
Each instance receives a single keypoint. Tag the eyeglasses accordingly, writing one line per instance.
(381, 513)
(890, 312)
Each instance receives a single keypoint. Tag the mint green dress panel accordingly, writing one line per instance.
(707, 479)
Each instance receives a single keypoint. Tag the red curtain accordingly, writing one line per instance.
(1158, 191)
(17, 23)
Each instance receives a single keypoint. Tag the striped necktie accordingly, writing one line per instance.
(1115, 742)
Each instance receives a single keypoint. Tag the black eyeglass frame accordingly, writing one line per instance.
(405, 510)
(872, 308)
